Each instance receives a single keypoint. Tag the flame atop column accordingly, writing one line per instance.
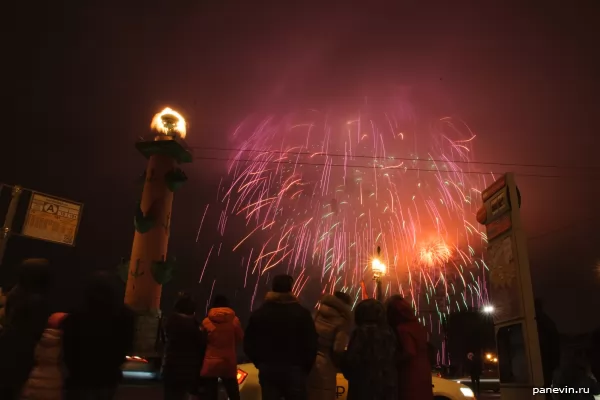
(170, 123)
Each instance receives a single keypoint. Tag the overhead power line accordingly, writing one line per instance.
(390, 158)
(396, 167)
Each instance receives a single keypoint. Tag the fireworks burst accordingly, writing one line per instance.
(434, 254)
(319, 192)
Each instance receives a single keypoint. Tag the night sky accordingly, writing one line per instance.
(83, 79)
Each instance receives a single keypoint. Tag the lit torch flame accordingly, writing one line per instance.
(169, 122)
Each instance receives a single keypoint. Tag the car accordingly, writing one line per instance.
(138, 368)
(485, 384)
(488, 382)
(443, 389)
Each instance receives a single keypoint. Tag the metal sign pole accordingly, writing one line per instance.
(8, 221)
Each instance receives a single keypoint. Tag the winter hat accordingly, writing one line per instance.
(56, 319)
(185, 304)
(370, 311)
(35, 275)
(282, 283)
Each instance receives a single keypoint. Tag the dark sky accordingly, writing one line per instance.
(82, 80)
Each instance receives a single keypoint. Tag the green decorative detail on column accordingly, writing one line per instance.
(123, 269)
(136, 273)
(143, 223)
(175, 179)
(162, 271)
(176, 149)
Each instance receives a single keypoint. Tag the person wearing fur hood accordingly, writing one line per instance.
(46, 378)
(333, 322)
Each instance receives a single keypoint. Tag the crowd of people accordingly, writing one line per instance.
(59, 356)
(381, 349)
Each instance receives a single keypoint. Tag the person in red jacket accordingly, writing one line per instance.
(414, 370)
(224, 333)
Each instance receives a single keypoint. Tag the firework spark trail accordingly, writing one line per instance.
(201, 222)
(321, 222)
(247, 267)
(206, 263)
(211, 294)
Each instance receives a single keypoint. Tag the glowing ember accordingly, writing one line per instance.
(170, 123)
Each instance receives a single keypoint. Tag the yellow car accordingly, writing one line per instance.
(443, 389)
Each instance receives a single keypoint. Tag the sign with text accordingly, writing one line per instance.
(510, 289)
(52, 219)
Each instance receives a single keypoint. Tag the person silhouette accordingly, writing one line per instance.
(474, 368)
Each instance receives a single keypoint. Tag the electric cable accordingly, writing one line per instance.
(457, 171)
(390, 158)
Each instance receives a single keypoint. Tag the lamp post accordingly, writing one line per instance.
(378, 268)
(10, 216)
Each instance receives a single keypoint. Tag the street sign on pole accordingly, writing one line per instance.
(52, 219)
(8, 220)
(519, 358)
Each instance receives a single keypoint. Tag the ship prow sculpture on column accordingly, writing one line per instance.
(149, 266)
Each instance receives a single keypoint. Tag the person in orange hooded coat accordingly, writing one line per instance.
(414, 370)
(224, 333)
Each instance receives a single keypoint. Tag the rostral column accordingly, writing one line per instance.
(149, 268)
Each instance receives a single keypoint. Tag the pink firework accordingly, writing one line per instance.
(320, 191)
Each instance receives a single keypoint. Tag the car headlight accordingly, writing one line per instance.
(467, 392)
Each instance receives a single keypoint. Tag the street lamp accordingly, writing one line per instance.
(378, 268)
(489, 309)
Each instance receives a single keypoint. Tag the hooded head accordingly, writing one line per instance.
(56, 319)
(282, 284)
(572, 368)
(333, 306)
(35, 275)
(185, 304)
(344, 297)
(399, 311)
(369, 312)
(220, 312)
(100, 293)
(220, 301)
